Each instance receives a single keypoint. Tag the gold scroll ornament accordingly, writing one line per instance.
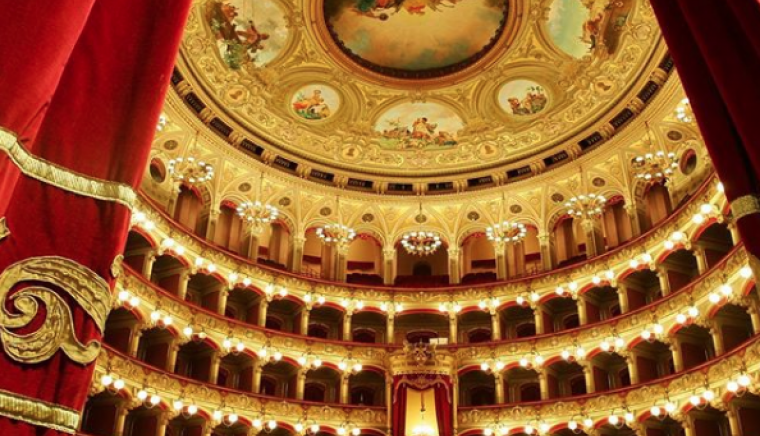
(88, 290)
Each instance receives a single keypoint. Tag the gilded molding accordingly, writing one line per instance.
(4, 230)
(38, 412)
(87, 289)
(64, 178)
(745, 205)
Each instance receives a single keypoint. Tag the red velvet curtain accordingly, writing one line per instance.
(81, 85)
(716, 48)
(442, 391)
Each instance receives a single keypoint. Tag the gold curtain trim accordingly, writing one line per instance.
(4, 230)
(745, 205)
(38, 412)
(83, 285)
(64, 178)
(421, 383)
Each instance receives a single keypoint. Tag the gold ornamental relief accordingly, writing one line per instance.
(4, 230)
(88, 289)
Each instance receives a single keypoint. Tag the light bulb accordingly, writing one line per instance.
(118, 384)
(670, 407)
(272, 424)
(706, 208)
(746, 272)
(302, 360)
(155, 399)
(123, 296)
(500, 365)
(142, 395)
(192, 409)
(314, 428)
(317, 363)
(605, 346)
(744, 380)
(693, 312)
(520, 300)
(218, 415)
(487, 431)
(357, 367)
(669, 245)
(629, 417)
(277, 356)
(342, 366)
(714, 298)
(588, 423)
(155, 315)
(256, 422)
(134, 301)
(572, 425)
(528, 429)
(695, 400)
(613, 420)
(232, 418)
(565, 354)
(187, 331)
(298, 427)
(356, 431)
(708, 395)
(341, 430)
(698, 218)
(178, 405)
(240, 347)
(658, 329)
(732, 386)
(504, 430)
(106, 380)
(681, 318)
(726, 289)
(167, 320)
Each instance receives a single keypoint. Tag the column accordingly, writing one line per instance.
(582, 314)
(499, 380)
(633, 370)
(344, 397)
(733, 422)
(258, 369)
(675, 349)
(296, 254)
(735, 236)
(389, 328)
(121, 417)
(184, 278)
(588, 374)
(389, 259)
(452, 327)
(171, 357)
(263, 305)
(221, 306)
(150, 259)
(327, 266)
(501, 261)
(300, 383)
(539, 320)
(594, 238)
(163, 421)
(717, 336)
(213, 218)
(172, 206)
(454, 273)
(495, 326)
(347, 325)
(389, 399)
(622, 292)
(134, 339)
(454, 403)
(305, 312)
(251, 384)
(688, 426)
(545, 244)
(662, 274)
(543, 383)
(699, 253)
(754, 313)
(216, 360)
(633, 216)
(341, 263)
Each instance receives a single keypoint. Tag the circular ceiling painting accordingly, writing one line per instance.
(581, 27)
(247, 32)
(415, 38)
(522, 97)
(315, 102)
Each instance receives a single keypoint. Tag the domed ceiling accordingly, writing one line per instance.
(418, 88)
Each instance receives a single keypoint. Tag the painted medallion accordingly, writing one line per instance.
(415, 38)
(418, 126)
(580, 27)
(315, 102)
(522, 97)
(247, 31)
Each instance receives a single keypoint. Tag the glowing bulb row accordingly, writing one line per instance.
(127, 299)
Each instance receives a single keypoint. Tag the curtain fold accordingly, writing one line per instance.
(82, 85)
(716, 49)
(443, 410)
(399, 408)
(442, 391)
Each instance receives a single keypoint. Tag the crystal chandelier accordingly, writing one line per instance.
(256, 213)
(337, 234)
(654, 166)
(684, 112)
(586, 206)
(506, 232)
(190, 170)
(421, 243)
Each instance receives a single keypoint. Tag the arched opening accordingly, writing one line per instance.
(367, 388)
(521, 385)
(283, 315)
(569, 242)
(205, 290)
(565, 379)
(477, 388)
(681, 268)
(709, 422)
(420, 327)
(664, 426)
(185, 426)
(100, 412)
(478, 259)
(137, 252)
(322, 385)
(121, 326)
(188, 211)
(229, 228)
(422, 271)
(318, 258)
(559, 313)
(474, 327)
(517, 322)
(153, 348)
(195, 360)
(616, 223)
(167, 273)
(274, 246)
(602, 303)
(236, 429)
(142, 421)
(657, 205)
(640, 288)
(326, 319)
(243, 305)
(716, 242)
(653, 360)
(734, 326)
(279, 379)
(610, 371)
(695, 345)
(529, 251)
(364, 261)
(236, 372)
(369, 327)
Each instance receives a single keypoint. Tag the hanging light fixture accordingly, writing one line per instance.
(255, 213)
(586, 205)
(684, 113)
(423, 428)
(336, 234)
(506, 231)
(421, 243)
(654, 165)
(189, 169)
